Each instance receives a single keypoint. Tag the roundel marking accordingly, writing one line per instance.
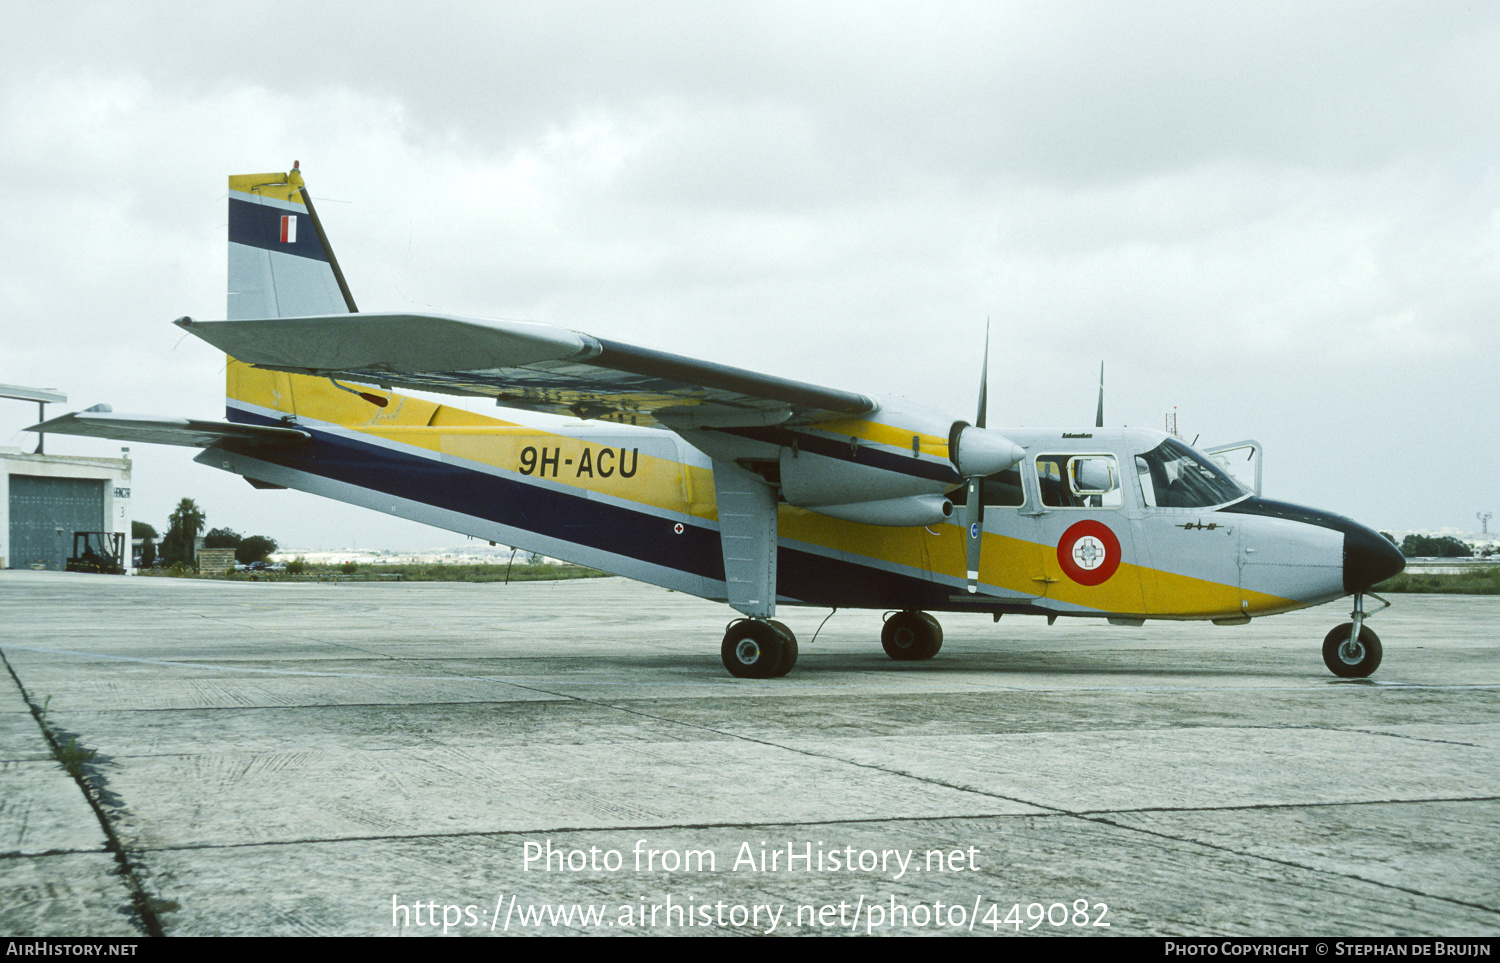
(974, 530)
(677, 528)
(1089, 552)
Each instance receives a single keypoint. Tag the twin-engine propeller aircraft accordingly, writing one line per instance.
(728, 484)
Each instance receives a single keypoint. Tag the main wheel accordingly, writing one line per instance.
(911, 636)
(788, 649)
(1350, 658)
(758, 650)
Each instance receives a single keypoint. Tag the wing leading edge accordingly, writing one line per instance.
(527, 365)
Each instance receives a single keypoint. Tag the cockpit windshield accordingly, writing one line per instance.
(1172, 475)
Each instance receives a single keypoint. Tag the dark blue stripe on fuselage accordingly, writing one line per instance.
(810, 578)
(259, 225)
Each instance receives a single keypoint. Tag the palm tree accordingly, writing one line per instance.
(185, 525)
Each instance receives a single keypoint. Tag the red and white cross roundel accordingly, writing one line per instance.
(1089, 552)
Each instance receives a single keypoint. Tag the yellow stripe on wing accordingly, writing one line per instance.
(866, 430)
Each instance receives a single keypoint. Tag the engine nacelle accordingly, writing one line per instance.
(889, 482)
(893, 512)
(810, 480)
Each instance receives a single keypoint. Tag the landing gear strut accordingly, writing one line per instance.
(1352, 650)
(911, 636)
(758, 649)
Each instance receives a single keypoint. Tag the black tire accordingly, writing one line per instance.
(788, 650)
(911, 636)
(1356, 661)
(754, 650)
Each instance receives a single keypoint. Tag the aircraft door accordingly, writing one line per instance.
(1191, 550)
(1086, 547)
(1010, 559)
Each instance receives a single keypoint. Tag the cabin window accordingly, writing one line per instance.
(1079, 481)
(1002, 489)
(1172, 475)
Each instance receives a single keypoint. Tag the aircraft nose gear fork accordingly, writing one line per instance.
(1352, 650)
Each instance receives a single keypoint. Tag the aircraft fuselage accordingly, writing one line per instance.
(641, 502)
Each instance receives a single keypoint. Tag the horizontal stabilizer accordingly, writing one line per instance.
(162, 430)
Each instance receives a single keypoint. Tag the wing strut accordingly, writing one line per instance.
(747, 536)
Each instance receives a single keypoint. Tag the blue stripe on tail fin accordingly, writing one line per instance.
(280, 264)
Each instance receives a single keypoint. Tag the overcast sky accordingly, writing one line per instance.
(1280, 219)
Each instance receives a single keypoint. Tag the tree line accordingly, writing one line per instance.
(184, 526)
(1430, 546)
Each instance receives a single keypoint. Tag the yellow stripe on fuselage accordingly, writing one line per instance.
(588, 464)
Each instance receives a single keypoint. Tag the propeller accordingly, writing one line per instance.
(977, 452)
(974, 504)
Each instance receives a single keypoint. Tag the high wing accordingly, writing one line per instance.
(526, 365)
(164, 430)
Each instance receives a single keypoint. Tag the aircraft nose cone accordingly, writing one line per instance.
(1369, 558)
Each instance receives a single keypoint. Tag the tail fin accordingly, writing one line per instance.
(281, 266)
(280, 262)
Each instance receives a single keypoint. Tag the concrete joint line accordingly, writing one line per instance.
(142, 903)
(1289, 863)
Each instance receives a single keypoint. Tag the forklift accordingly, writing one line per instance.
(102, 553)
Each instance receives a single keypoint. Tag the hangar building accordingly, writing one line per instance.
(45, 498)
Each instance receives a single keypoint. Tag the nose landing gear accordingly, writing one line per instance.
(1352, 650)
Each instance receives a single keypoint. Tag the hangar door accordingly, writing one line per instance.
(41, 506)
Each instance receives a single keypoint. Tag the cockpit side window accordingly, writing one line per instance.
(1172, 475)
(1002, 489)
(1079, 481)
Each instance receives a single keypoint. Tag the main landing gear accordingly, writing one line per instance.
(758, 649)
(911, 636)
(767, 649)
(1352, 650)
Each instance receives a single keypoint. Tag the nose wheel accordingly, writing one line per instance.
(1349, 656)
(1352, 650)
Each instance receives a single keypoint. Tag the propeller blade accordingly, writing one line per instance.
(974, 530)
(1099, 418)
(974, 504)
(984, 379)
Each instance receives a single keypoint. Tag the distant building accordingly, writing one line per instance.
(44, 499)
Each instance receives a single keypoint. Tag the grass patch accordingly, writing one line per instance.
(434, 572)
(1483, 581)
(72, 756)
